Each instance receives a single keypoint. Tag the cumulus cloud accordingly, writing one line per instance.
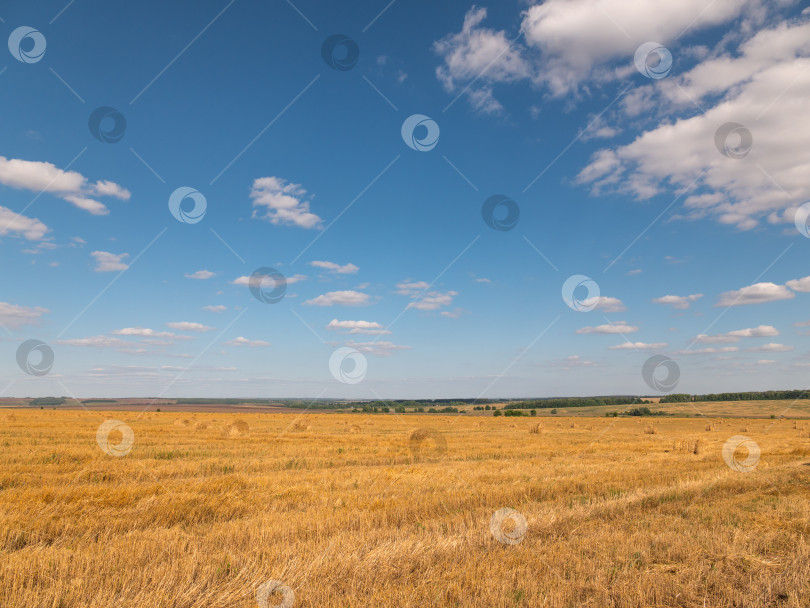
(433, 300)
(67, 185)
(762, 331)
(217, 308)
(771, 347)
(567, 43)
(109, 262)
(242, 341)
(244, 281)
(680, 302)
(283, 203)
(801, 285)
(710, 350)
(19, 225)
(143, 332)
(604, 304)
(759, 293)
(620, 327)
(357, 327)
(340, 298)
(14, 316)
(96, 342)
(189, 326)
(482, 56)
(638, 346)
(200, 274)
(336, 268)
(762, 85)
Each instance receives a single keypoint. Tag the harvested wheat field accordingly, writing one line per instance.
(333, 510)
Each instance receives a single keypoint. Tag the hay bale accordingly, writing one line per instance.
(535, 429)
(649, 430)
(182, 422)
(354, 429)
(11, 418)
(200, 426)
(687, 445)
(238, 428)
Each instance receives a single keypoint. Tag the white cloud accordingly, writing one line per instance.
(763, 85)
(339, 298)
(96, 342)
(200, 274)
(281, 202)
(379, 349)
(14, 316)
(357, 327)
(577, 38)
(109, 262)
(242, 341)
(28, 227)
(336, 268)
(619, 327)
(433, 300)
(766, 362)
(759, 293)
(763, 331)
(567, 43)
(638, 346)
(800, 285)
(605, 304)
(710, 351)
(244, 281)
(411, 288)
(217, 308)
(188, 326)
(476, 57)
(680, 302)
(67, 185)
(571, 362)
(144, 331)
(771, 347)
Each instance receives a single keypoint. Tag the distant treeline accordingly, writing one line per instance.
(751, 396)
(47, 401)
(555, 402)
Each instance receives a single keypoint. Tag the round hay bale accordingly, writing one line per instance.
(182, 422)
(238, 428)
(354, 429)
(11, 418)
(200, 426)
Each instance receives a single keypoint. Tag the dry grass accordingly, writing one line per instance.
(193, 517)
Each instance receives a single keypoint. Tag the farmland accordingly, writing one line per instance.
(190, 509)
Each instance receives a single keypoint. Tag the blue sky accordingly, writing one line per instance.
(618, 176)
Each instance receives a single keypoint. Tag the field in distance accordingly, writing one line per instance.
(192, 510)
